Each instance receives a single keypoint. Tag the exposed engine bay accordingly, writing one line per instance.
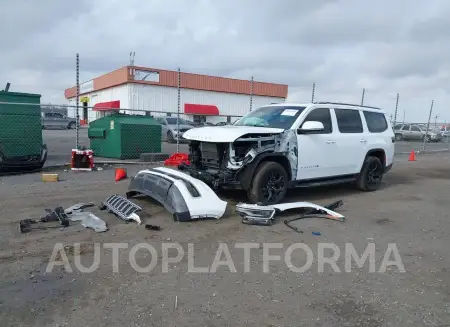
(222, 164)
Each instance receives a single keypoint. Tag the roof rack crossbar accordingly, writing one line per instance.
(347, 104)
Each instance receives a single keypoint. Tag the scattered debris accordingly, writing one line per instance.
(78, 207)
(176, 301)
(254, 214)
(57, 214)
(122, 208)
(177, 159)
(47, 177)
(25, 226)
(316, 233)
(82, 160)
(152, 227)
(313, 210)
(89, 220)
(186, 197)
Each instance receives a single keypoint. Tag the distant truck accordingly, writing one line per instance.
(21, 143)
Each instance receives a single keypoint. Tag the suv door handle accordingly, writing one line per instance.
(331, 142)
(363, 141)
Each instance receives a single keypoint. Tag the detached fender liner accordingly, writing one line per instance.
(186, 197)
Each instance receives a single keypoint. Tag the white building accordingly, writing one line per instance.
(139, 90)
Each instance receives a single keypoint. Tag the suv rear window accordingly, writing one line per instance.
(349, 121)
(376, 121)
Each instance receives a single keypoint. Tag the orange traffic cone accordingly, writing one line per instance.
(412, 156)
(121, 173)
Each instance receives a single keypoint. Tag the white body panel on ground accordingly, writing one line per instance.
(208, 204)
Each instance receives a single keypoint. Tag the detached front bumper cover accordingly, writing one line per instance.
(186, 197)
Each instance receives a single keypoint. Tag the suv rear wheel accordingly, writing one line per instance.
(398, 137)
(269, 185)
(371, 175)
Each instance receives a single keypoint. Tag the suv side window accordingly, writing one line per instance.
(405, 128)
(349, 121)
(376, 121)
(415, 129)
(322, 115)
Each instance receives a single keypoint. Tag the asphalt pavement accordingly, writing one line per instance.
(61, 142)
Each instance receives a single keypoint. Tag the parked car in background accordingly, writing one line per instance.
(57, 120)
(172, 129)
(222, 123)
(415, 132)
(445, 131)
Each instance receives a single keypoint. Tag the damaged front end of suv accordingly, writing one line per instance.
(228, 157)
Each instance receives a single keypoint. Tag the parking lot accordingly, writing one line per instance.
(61, 142)
(411, 210)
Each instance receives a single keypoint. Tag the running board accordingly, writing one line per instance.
(122, 208)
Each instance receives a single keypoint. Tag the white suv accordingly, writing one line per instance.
(286, 145)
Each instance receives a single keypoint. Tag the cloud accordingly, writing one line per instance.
(341, 45)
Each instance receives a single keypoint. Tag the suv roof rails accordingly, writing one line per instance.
(347, 104)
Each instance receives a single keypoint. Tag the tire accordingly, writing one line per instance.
(426, 138)
(71, 125)
(371, 175)
(398, 137)
(170, 138)
(263, 178)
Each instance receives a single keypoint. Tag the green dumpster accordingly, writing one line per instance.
(122, 136)
(21, 144)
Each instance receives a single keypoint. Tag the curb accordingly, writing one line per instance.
(55, 166)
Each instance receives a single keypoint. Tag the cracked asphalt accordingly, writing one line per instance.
(411, 210)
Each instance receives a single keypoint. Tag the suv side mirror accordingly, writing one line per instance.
(311, 127)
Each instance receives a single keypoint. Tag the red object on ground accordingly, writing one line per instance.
(201, 109)
(177, 159)
(82, 160)
(83, 122)
(121, 173)
(412, 156)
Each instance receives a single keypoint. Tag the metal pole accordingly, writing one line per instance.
(362, 96)
(396, 109)
(404, 114)
(178, 111)
(78, 101)
(251, 94)
(313, 92)
(428, 126)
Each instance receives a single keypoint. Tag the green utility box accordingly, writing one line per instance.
(21, 131)
(122, 136)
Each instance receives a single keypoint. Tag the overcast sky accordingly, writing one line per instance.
(387, 47)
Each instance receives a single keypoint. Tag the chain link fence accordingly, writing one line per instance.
(30, 131)
(115, 135)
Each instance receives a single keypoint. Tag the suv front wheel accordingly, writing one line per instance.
(371, 175)
(269, 185)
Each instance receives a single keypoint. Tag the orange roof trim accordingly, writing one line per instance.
(150, 76)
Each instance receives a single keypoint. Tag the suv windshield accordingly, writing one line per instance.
(273, 116)
(173, 121)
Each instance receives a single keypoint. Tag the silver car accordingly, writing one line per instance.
(170, 131)
(415, 132)
(57, 120)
